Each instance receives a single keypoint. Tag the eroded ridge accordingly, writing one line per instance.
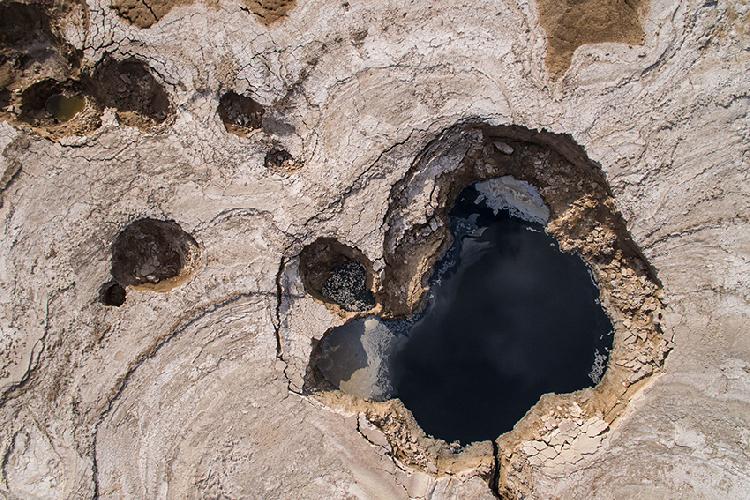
(560, 430)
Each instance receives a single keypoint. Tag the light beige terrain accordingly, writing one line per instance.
(196, 388)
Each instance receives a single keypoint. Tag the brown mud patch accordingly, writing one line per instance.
(583, 219)
(144, 13)
(270, 11)
(4, 99)
(572, 23)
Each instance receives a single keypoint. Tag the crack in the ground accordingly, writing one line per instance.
(494, 479)
(386, 452)
(12, 173)
(6, 458)
(145, 4)
(277, 325)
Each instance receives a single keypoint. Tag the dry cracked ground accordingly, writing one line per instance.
(175, 176)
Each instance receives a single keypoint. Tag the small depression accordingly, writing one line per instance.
(150, 254)
(337, 274)
(112, 294)
(508, 317)
(129, 87)
(49, 102)
(240, 114)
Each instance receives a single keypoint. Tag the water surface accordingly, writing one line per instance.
(509, 317)
(63, 107)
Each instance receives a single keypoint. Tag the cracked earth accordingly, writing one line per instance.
(245, 132)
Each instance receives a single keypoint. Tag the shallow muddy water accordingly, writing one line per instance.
(63, 108)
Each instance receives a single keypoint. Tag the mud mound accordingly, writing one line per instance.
(270, 11)
(239, 113)
(130, 88)
(572, 23)
(144, 14)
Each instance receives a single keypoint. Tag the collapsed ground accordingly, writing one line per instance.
(583, 219)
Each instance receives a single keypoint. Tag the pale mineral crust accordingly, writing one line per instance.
(200, 389)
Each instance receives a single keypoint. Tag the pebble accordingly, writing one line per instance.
(503, 147)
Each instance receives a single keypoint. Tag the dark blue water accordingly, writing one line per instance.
(509, 318)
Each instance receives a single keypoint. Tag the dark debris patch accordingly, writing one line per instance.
(337, 274)
(279, 161)
(347, 286)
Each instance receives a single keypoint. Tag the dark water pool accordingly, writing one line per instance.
(509, 317)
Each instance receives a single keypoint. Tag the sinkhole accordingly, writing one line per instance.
(112, 294)
(240, 114)
(129, 87)
(337, 274)
(51, 102)
(150, 254)
(508, 317)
